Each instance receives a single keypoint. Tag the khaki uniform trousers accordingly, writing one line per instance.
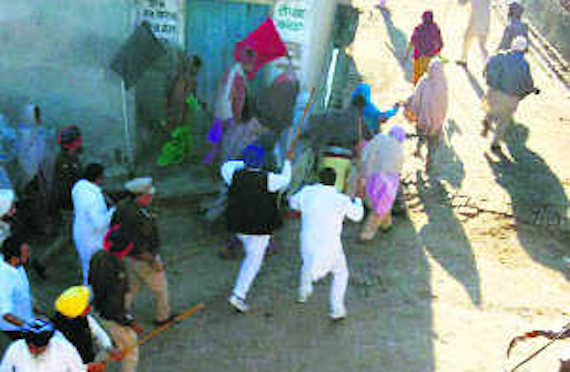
(142, 272)
(124, 337)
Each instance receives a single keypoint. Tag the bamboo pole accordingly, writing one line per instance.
(148, 336)
(302, 123)
(359, 156)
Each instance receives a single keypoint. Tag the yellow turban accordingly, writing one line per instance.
(73, 301)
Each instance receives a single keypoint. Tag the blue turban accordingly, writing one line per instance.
(38, 332)
(254, 156)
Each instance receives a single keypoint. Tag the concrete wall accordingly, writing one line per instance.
(56, 53)
(309, 37)
(319, 48)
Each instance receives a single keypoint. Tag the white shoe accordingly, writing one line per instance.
(238, 304)
(338, 314)
(304, 296)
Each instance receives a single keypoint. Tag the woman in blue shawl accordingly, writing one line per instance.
(372, 116)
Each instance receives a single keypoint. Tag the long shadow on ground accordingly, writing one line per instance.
(445, 240)
(538, 199)
(447, 162)
(399, 43)
(389, 322)
(390, 281)
(474, 83)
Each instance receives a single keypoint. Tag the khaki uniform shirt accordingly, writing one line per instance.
(138, 225)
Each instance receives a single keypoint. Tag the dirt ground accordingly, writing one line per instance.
(477, 260)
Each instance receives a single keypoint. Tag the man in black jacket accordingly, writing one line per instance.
(252, 212)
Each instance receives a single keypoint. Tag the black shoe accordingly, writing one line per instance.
(485, 129)
(496, 148)
(462, 64)
(39, 269)
(160, 323)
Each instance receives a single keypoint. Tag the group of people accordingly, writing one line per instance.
(381, 155)
(118, 241)
(118, 245)
(507, 72)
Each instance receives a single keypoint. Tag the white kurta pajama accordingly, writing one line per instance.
(91, 221)
(323, 210)
(59, 356)
(254, 245)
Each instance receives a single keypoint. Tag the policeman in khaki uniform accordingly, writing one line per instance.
(138, 225)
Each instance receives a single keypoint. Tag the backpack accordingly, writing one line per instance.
(494, 70)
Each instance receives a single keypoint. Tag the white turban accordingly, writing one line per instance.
(6, 201)
(519, 44)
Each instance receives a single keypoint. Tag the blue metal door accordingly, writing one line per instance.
(213, 28)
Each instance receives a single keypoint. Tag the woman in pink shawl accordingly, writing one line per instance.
(230, 102)
(426, 42)
(382, 162)
(428, 107)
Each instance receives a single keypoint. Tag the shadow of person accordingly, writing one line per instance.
(390, 294)
(448, 165)
(398, 44)
(537, 196)
(445, 240)
(474, 83)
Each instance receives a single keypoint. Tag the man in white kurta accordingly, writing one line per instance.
(16, 306)
(478, 27)
(323, 210)
(91, 216)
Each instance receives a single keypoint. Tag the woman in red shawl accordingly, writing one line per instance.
(259, 48)
(426, 42)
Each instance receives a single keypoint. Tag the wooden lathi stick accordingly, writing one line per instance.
(358, 157)
(148, 336)
(302, 123)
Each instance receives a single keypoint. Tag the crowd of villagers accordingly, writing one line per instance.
(271, 150)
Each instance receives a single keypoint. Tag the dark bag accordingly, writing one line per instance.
(494, 71)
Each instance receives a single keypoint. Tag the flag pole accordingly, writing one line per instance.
(128, 141)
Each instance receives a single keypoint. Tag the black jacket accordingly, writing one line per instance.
(109, 280)
(252, 209)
